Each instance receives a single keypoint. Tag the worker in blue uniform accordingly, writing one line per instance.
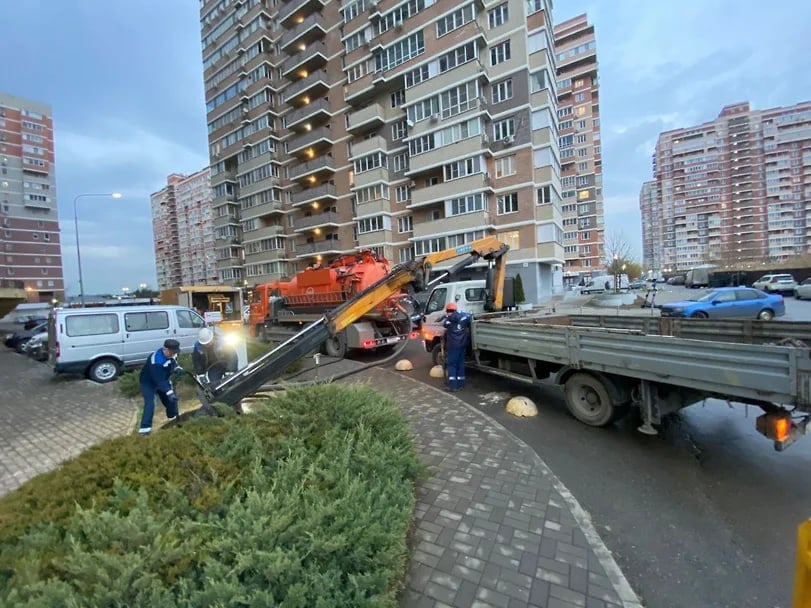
(156, 377)
(456, 325)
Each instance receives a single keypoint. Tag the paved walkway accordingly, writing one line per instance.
(494, 526)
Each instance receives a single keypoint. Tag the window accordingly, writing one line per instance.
(370, 224)
(399, 130)
(91, 325)
(500, 53)
(507, 203)
(146, 321)
(403, 194)
(405, 223)
(538, 82)
(188, 319)
(498, 16)
(583, 166)
(503, 91)
(504, 128)
(579, 97)
(454, 21)
(400, 162)
(456, 57)
(581, 139)
(399, 52)
(505, 166)
(467, 204)
(421, 144)
(417, 75)
(369, 162)
(398, 98)
(583, 152)
(544, 195)
(462, 168)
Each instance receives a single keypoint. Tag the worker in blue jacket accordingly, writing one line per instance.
(156, 377)
(456, 325)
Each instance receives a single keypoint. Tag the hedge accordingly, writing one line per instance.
(306, 502)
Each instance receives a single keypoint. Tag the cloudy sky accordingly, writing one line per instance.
(125, 83)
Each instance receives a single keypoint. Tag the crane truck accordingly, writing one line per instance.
(280, 309)
(606, 367)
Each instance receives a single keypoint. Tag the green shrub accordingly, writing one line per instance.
(305, 503)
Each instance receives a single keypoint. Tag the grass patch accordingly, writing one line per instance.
(307, 502)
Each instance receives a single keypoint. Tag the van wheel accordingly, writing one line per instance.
(103, 370)
(588, 400)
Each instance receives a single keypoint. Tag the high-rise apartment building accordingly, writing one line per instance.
(30, 251)
(403, 127)
(651, 212)
(580, 149)
(183, 228)
(733, 191)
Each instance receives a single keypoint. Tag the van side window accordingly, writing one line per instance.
(474, 294)
(91, 325)
(144, 321)
(187, 319)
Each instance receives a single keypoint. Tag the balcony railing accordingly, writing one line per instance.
(319, 219)
(370, 116)
(319, 247)
(312, 166)
(309, 138)
(317, 78)
(288, 9)
(293, 34)
(312, 194)
(262, 233)
(303, 56)
(297, 116)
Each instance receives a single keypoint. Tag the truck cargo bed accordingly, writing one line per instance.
(704, 357)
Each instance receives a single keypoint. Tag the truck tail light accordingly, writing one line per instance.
(413, 335)
(780, 428)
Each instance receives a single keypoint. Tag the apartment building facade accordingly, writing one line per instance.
(183, 230)
(578, 93)
(734, 191)
(30, 252)
(402, 127)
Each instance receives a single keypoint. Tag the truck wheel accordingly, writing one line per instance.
(103, 370)
(588, 400)
(335, 346)
(438, 355)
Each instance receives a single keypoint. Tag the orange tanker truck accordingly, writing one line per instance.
(282, 308)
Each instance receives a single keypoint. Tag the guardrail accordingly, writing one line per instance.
(802, 576)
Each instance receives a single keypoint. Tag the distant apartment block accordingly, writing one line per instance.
(402, 127)
(182, 224)
(30, 251)
(733, 191)
(580, 148)
(651, 212)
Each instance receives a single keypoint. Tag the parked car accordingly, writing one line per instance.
(677, 280)
(803, 290)
(729, 303)
(37, 346)
(20, 337)
(776, 283)
(640, 284)
(32, 322)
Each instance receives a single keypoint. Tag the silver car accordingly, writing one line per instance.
(803, 290)
(776, 283)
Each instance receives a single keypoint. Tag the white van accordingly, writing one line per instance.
(101, 342)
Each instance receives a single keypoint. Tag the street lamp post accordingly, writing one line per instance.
(76, 226)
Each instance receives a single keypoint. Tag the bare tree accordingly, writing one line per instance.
(617, 252)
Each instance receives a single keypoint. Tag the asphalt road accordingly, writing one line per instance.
(702, 515)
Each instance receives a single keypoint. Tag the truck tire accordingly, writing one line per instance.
(438, 355)
(335, 346)
(104, 370)
(589, 400)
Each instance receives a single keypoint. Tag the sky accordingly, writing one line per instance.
(126, 86)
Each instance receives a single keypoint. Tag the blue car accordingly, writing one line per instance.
(729, 303)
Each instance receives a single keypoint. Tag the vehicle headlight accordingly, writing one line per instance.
(232, 339)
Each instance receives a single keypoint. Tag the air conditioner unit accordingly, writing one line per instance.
(410, 124)
(508, 140)
(434, 117)
(398, 27)
(485, 139)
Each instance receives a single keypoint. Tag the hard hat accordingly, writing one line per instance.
(451, 306)
(205, 336)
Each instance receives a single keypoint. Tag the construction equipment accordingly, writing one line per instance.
(281, 309)
(410, 277)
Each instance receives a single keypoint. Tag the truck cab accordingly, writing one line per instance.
(470, 297)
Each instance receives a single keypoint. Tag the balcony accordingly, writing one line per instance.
(374, 239)
(263, 233)
(315, 138)
(316, 220)
(313, 84)
(450, 189)
(313, 27)
(367, 178)
(469, 221)
(271, 255)
(463, 73)
(367, 146)
(370, 117)
(437, 157)
(315, 55)
(290, 12)
(309, 195)
(320, 106)
(359, 90)
(325, 246)
(322, 163)
(263, 209)
(373, 207)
